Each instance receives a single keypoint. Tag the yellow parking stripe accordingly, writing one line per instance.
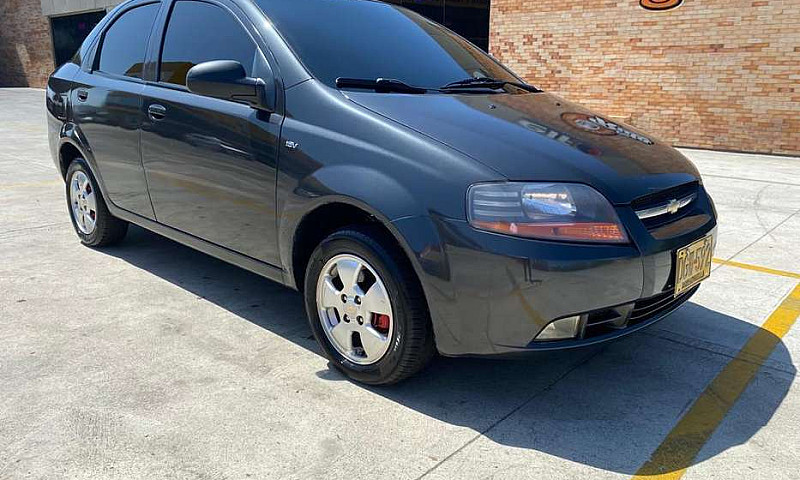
(756, 268)
(679, 449)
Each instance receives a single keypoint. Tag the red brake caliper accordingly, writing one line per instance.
(380, 322)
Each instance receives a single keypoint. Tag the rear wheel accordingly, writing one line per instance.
(366, 307)
(91, 219)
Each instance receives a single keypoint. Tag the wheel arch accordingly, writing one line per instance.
(67, 152)
(72, 146)
(326, 217)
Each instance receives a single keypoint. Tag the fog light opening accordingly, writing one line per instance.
(563, 329)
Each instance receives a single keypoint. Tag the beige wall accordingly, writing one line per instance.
(711, 73)
(62, 7)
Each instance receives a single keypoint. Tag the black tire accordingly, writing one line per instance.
(108, 229)
(412, 343)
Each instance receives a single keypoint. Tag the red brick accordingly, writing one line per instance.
(711, 73)
(26, 50)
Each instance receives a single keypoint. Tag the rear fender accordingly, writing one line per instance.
(71, 135)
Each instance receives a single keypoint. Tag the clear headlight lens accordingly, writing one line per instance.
(551, 211)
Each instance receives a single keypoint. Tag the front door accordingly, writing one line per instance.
(210, 163)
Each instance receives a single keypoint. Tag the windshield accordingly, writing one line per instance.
(367, 39)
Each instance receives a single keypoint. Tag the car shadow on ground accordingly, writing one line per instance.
(606, 406)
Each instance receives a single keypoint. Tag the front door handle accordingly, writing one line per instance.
(83, 95)
(157, 112)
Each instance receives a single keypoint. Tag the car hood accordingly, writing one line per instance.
(540, 137)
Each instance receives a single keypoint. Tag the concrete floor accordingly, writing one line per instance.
(150, 360)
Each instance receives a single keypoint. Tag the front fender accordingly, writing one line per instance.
(421, 239)
(381, 197)
(362, 184)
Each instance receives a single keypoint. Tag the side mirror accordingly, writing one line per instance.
(227, 79)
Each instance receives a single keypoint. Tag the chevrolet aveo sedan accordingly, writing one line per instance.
(421, 195)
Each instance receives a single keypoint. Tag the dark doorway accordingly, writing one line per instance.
(70, 31)
(468, 18)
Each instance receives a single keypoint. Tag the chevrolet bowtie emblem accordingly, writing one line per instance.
(673, 206)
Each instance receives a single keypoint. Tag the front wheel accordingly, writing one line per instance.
(366, 307)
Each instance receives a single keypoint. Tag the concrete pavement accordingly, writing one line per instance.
(150, 360)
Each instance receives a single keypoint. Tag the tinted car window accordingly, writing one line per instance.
(125, 42)
(365, 39)
(199, 32)
(69, 32)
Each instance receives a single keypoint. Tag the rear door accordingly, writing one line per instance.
(211, 163)
(106, 101)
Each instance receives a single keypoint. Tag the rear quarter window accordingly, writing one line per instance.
(124, 44)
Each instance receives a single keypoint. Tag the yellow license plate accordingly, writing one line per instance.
(693, 264)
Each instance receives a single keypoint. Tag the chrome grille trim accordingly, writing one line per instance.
(672, 206)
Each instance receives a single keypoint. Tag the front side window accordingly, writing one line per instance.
(200, 32)
(125, 42)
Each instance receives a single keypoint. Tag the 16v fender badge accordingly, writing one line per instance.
(660, 4)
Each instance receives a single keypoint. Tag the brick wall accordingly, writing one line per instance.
(26, 51)
(721, 74)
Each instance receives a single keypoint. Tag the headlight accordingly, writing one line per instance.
(551, 211)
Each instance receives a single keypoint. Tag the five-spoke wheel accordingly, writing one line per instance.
(354, 309)
(366, 307)
(93, 223)
(83, 202)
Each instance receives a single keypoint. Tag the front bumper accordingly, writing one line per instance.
(492, 294)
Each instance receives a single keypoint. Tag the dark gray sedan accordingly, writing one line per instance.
(424, 197)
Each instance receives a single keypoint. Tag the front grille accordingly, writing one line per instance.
(620, 318)
(662, 198)
(648, 308)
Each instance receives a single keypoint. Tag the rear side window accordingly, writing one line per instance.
(125, 42)
(199, 32)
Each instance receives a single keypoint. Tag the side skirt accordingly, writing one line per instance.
(258, 267)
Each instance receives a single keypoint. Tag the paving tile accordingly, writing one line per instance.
(602, 421)
(762, 448)
(151, 360)
(763, 168)
(731, 293)
(780, 249)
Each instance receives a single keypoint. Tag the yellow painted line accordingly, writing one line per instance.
(757, 268)
(32, 184)
(681, 446)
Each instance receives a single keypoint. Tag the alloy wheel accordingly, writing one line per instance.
(83, 202)
(354, 309)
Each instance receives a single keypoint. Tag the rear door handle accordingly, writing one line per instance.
(157, 112)
(83, 95)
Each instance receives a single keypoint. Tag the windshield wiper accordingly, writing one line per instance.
(486, 82)
(381, 85)
(388, 85)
